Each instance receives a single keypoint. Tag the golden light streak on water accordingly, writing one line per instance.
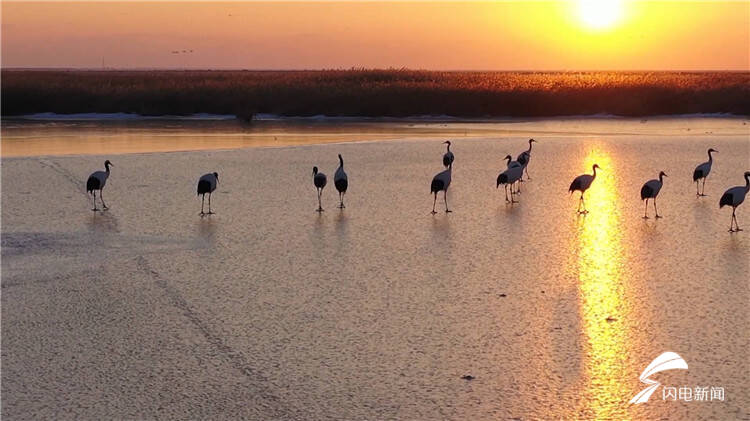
(602, 282)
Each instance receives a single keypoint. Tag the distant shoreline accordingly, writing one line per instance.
(394, 93)
(124, 117)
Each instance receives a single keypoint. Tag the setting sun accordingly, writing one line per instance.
(600, 14)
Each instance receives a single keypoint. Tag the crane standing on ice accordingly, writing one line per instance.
(524, 159)
(341, 181)
(581, 184)
(319, 180)
(701, 173)
(650, 190)
(96, 181)
(510, 176)
(441, 181)
(734, 197)
(207, 184)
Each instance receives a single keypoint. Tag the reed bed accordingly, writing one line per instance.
(375, 93)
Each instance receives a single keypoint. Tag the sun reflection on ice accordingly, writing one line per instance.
(601, 283)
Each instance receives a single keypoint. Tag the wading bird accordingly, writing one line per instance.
(96, 181)
(441, 182)
(524, 159)
(510, 176)
(582, 183)
(320, 180)
(734, 197)
(207, 184)
(650, 190)
(448, 157)
(701, 172)
(341, 181)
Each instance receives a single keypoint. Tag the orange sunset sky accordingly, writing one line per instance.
(546, 35)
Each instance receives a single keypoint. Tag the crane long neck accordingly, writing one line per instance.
(449, 147)
(530, 145)
(594, 172)
(106, 166)
(661, 178)
(341, 162)
(710, 158)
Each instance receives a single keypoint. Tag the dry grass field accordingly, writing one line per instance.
(375, 93)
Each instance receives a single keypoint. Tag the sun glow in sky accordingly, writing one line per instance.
(442, 35)
(600, 14)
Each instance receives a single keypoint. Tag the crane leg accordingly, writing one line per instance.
(697, 189)
(645, 211)
(93, 192)
(445, 198)
(506, 193)
(703, 187)
(512, 198)
(320, 206)
(203, 200)
(101, 197)
(734, 217)
(655, 210)
(528, 177)
(433, 204)
(209, 204)
(341, 200)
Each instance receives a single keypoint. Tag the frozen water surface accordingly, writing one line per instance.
(270, 310)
